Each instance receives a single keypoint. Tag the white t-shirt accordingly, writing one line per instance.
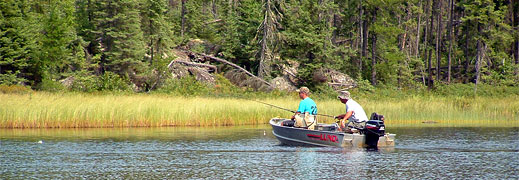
(358, 113)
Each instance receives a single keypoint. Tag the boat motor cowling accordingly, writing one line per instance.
(374, 129)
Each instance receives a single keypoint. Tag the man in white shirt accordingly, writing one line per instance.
(354, 112)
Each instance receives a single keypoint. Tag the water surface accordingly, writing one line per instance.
(252, 152)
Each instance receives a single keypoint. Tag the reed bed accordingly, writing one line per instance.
(73, 110)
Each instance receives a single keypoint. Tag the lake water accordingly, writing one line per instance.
(252, 152)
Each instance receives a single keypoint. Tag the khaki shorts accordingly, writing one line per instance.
(305, 120)
(353, 127)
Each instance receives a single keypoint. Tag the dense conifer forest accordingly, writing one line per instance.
(404, 44)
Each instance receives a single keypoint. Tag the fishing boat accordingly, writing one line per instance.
(328, 135)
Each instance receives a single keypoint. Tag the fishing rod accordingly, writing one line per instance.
(288, 109)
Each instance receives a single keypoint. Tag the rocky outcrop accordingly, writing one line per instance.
(338, 80)
(197, 64)
(335, 79)
(242, 79)
(178, 71)
(187, 64)
(202, 75)
(283, 83)
(68, 82)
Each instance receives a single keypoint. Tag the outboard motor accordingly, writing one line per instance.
(374, 129)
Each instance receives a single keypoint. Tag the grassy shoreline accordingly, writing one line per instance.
(82, 110)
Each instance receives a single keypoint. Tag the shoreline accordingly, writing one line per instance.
(77, 110)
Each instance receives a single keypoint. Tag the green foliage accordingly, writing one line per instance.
(83, 82)
(9, 78)
(17, 43)
(460, 90)
(504, 75)
(58, 40)
(365, 86)
(112, 82)
(119, 29)
(50, 85)
(323, 91)
(86, 82)
(187, 86)
(43, 41)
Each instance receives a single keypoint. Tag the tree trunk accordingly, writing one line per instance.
(214, 10)
(515, 18)
(361, 33)
(374, 60)
(449, 38)
(429, 58)
(478, 59)
(335, 24)
(364, 37)
(418, 29)
(466, 49)
(426, 29)
(186, 63)
(373, 52)
(183, 18)
(151, 41)
(438, 39)
(268, 30)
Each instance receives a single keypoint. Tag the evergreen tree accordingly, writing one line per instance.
(59, 42)
(17, 43)
(118, 31)
(487, 17)
(155, 28)
(268, 36)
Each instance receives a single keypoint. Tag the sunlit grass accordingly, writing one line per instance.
(40, 109)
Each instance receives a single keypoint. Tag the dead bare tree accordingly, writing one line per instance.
(268, 30)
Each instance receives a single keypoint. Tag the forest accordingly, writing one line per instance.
(409, 44)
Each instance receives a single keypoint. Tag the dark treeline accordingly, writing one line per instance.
(386, 42)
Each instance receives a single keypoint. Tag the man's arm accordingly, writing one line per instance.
(345, 119)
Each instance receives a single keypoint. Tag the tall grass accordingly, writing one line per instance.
(41, 109)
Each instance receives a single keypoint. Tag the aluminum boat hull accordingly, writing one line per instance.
(304, 137)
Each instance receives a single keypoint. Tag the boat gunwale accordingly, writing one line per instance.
(286, 127)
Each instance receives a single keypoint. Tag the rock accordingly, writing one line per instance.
(241, 79)
(290, 71)
(178, 71)
(67, 82)
(283, 83)
(338, 80)
(335, 79)
(202, 75)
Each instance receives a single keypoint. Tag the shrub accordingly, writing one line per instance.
(109, 81)
(187, 86)
(14, 89)
(50, 85)
(10, 78)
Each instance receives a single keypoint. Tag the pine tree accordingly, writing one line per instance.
(268, 36)
(118, 31)
(59, 42)
(17, 43)
(487, 17)
(155, 28)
